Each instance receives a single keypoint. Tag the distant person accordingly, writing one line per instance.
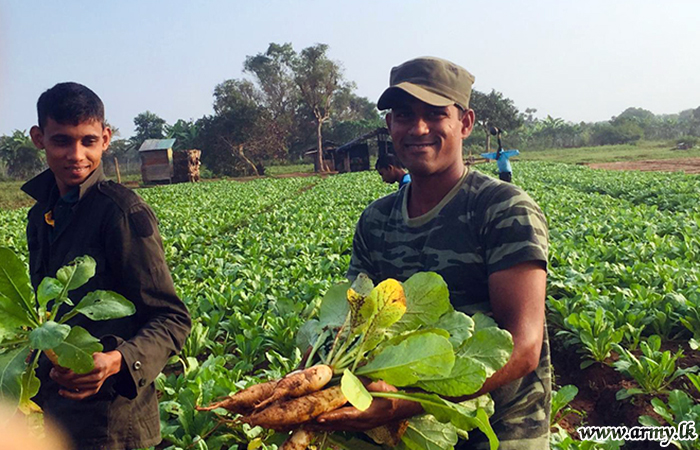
(505, 171)
(392, 171)
(79, 212)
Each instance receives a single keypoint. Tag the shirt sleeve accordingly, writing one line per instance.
(514, 229)
(136, 256)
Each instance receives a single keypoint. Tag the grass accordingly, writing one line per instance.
(293, 168)
(610, 153)
(11, 197)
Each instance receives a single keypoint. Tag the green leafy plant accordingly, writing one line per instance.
(653, 370)
(407, 335)
(31, 324)
(596, 336)
(679, 408)
(561, 440)
(560, 403)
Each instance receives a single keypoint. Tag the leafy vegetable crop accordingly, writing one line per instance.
(30, 324)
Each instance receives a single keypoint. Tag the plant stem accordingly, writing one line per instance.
(321, 339)
(337, 336)
(15, 342)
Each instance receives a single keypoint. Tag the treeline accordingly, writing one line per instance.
(526, 132)
(292, 102)
(289, 103)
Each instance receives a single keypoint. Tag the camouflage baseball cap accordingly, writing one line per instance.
(435, 81)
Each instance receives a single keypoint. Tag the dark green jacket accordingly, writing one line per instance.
(116, 227)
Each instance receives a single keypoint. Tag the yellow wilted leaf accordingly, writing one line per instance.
(390, 299)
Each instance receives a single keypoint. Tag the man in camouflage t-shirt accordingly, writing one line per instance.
(486, 238)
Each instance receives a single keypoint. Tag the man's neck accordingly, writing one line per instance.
(427, 192)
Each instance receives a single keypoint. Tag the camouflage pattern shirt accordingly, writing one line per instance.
(482, 226)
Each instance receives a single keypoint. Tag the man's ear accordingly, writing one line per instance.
(468, 123)
(387, 118)
(106, 138)
(37, 136)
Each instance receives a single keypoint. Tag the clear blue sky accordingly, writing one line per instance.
(582, 61)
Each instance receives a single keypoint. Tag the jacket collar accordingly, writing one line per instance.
(41, 185)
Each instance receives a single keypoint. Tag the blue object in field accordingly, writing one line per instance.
(502, 160)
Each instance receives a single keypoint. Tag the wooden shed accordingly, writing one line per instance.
(157, 160)
(353, 156)
(329, 158)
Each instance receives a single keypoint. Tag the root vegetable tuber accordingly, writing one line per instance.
(299, 440)
(299, 383)
(244, 401)
(286, 415)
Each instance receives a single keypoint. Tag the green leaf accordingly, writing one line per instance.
(426, 432)
(482, 321)
(490, 347)
(49, 289)
(15, 284)
(355, 391)
(77, 272)
(427, 298)
(76, 351)
(351, 443)
(680, 404)
(362, 285)
(648, 421)
(465, 417)
(48, 336)
(30, 387)
(12, 365)
(14, 316)
(334, 306)
(307, 334)
(459, 325)
(413, 358)
(563, 397)
(466, 377)
(104, 305)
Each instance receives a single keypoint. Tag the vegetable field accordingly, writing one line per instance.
(253, 260)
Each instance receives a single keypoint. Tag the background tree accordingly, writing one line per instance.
(185, 133)
(318, 79)
(494, 110)
(240, 135)
(21, 158)
(147, 125)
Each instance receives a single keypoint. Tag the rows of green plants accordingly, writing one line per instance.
(252, 260)
(624, 282)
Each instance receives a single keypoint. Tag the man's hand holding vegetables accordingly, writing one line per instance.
(80, 386)
(486, 238)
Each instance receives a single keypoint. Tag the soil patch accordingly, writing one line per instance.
(687, 165)
(598, 385)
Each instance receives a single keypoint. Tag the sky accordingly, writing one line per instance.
(577, 60)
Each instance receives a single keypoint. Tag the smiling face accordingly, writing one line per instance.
(428, 139)
(73, 152)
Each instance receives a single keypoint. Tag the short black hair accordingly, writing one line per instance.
(70, 103)
(387, 160)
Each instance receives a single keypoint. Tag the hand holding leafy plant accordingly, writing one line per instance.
(407, 335)
(30, 324)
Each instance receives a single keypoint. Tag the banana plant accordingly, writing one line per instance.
(31, 324)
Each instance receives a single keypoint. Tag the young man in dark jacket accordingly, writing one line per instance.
(78, 212)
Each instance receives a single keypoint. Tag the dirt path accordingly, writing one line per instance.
(687, 165)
